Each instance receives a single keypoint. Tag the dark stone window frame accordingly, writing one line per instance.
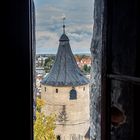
(116, 15)
(21, 16)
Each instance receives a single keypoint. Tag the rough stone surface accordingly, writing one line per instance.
(96, 47)
(123, 60)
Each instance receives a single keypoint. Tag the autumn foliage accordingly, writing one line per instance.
(43, 125)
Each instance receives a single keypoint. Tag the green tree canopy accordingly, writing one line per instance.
(86, 69)
(48, 64)
(44, 125)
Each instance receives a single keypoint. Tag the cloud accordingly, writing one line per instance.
(50, 13)
(48, 42)
(46, 39)
(49, 24)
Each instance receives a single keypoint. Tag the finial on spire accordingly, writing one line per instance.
(63, 18)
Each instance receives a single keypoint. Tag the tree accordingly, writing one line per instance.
(86, 69)
(43, 125)
(48, 64)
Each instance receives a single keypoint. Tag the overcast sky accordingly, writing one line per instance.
(79, 24)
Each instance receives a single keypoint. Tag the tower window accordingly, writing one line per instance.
(56, 90)
(58, 137)
(73, 94)
(83, 88)
(45, 89)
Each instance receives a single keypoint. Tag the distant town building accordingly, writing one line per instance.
(66, 93)
(40, 61)
(40, 70)
(39, 78)
(83, 61)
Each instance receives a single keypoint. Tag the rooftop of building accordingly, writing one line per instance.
(65, 71)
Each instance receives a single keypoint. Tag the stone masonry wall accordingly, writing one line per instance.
(95, 93)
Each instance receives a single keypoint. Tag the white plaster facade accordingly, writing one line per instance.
(76, 124)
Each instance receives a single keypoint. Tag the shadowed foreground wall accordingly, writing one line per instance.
(122, 63)
(115, 57)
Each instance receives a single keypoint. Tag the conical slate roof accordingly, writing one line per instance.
(65, 71)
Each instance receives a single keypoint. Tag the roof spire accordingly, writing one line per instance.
(63, 24)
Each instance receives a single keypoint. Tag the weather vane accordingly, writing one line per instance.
(63, 18)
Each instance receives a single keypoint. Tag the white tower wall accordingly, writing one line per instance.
(77, 110)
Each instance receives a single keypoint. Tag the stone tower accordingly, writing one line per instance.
(66, 93)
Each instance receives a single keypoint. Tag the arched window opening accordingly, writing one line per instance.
(73, 94)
